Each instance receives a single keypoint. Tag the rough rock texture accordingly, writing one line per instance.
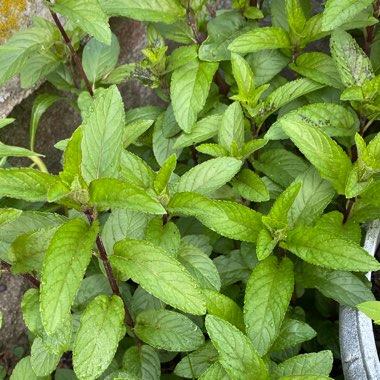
(15, 15)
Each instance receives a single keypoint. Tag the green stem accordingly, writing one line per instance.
(40, 164)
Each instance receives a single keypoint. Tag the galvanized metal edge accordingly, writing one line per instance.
(357, 343)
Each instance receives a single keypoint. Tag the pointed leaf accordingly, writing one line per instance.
(371, 309)
(102, 136)
(231, 130)
(158, 273)
(190, 85)
(168, 330)
(267, 297)
(215, 371)
(93, 353)
(143, 362)
(250, 186)
(66, 260)
(328, 250)
(236, 353)
(136, 171)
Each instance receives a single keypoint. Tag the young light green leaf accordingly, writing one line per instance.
(93, 353)
(333, 119)
(267, 297)
(224, 308)
(265, 244)
(102, 136)
(324, 153)
(181, 56)
(28, 251)
(292, 333)
(371, 309)
(164, 174)
(190, 85)
(40, 105)
(94, 23)
(65, 262)
(215, 371)
(202, 130)
(236, 353)
(228, 219)
(134, 130)
(112, 193)
(261, 39)
(209, 175)
(15, 151)
(243, 75)
(296, 18)
(213, 150)
(197, 362)
(157, 272)
(6, 121)
(343, 287)
(143, 362)
(318, 363)
(168, 330)
(200, 266)
(319, 67)
(99, 59)
(231, 131)
(43, 362)
(328, 250)
(314, 196)
(353, 65)
(250, 186)
(27, 184)
(136, 171)
(338, 12)
(166, 11)
(24, 370)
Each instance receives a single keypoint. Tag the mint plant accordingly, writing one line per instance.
(213, 238)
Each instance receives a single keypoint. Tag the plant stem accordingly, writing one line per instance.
(73, 52)
(33, 280)
(39, 163)
(111, 278)
(211, 10)
(369, 31)
(192, 23)
(347, 211)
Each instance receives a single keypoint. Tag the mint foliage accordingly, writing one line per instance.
(213, 236)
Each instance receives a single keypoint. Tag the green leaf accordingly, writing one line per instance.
(261, 39)
(99, 59)
(250, 186)
(292, 333)
(265, 244)
(228, 219)
(123, 223)
(338, 12)
(209, 175)
(6, 121)
(27, 184)
(202, 130)
(306, 377)
(157, 272)
(280, 165)
(213, 150)
(166, 11)
(333, 119)
(40, 105)
(181, 56)
(236, 353)
(102, 136)
(319, 363)
(329, 250)
(190, 85)
(197, 362)
(343, 287)
(43, 362)
(215, 371)
(324, 153)
(168, 330)
(65, 262)
(93, 353)
(312, 199)
(371, 309)
(224, 308)
(164, 174)
(38, 67)
(15, 151)
(319, 67)
(94, 23)
(267, 297)
(24, 370)
(367, 206)
(143, 362)
(112, 193)
(222, 30)
(296, 18)
(28, 251)
(353, 65)
(231, 131)
(243, 75)
(199, 265)
(134, 130)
